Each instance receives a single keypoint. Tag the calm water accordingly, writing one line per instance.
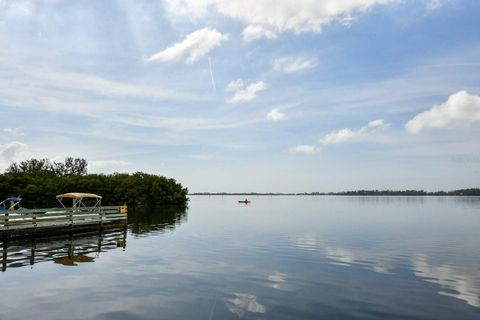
(276, 258)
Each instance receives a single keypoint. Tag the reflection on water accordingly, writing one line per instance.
(72, 260)
(365, 257)
(243, 303)
(70, 250)
(277, 279)
(277, 258)
(66, 250)
(144, 221)
(452, 282)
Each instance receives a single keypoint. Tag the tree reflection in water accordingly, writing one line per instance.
(143, 221)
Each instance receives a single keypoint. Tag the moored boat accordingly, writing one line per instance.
(77, 199)
(10, 204)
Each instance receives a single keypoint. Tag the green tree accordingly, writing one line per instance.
(39, 180)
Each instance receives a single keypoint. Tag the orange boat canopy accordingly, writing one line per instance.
(78, 195)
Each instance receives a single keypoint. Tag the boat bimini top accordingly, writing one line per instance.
(14, 203)
(78, 197)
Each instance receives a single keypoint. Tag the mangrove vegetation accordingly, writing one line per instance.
(37, 181)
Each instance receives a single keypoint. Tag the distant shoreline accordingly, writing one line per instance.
(460, 192)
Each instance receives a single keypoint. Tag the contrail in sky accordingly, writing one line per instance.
(211, 73)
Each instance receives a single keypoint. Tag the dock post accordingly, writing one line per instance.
(32, 252)
(71, 219)
(4, 255)
(70, 246)
(125, 229)
(99, 243)
(101, 214)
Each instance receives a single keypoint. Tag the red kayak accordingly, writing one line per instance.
(244, 201)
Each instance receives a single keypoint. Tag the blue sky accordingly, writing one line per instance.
(247, 95)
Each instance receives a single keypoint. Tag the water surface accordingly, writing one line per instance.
(280, 257)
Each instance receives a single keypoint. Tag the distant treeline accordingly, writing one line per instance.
(38, 181)
(461, 192)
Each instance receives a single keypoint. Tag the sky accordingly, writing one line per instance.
(247, 95)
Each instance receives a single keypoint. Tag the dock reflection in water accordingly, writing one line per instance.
(70, 250)
(67, 250)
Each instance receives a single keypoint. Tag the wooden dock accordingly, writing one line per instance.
(38, 222)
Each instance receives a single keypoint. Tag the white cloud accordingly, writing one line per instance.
(305, 149)
(339, 136)
(267, 18)
(276, 115)
(460, 110)
(108, 163)
(251, 33)
(194, 9)
(292, 64)
(365, 133)
(193, 47)
(180, 123)
(14, 151)
(235, 85)
(70, 92)
(14, 131)
(347, 135)
(242, 92)
(379, 123)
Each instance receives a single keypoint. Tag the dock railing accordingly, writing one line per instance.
(32, 219)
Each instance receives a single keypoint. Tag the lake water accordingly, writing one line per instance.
(281, 257)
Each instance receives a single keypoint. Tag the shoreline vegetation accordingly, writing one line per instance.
(460, 192)
(38, 181)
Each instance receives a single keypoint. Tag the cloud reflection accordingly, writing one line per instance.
(348, 257)
(243, 303)
(343, 256)
(307, 242)
(277, 279)
(455, 284)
